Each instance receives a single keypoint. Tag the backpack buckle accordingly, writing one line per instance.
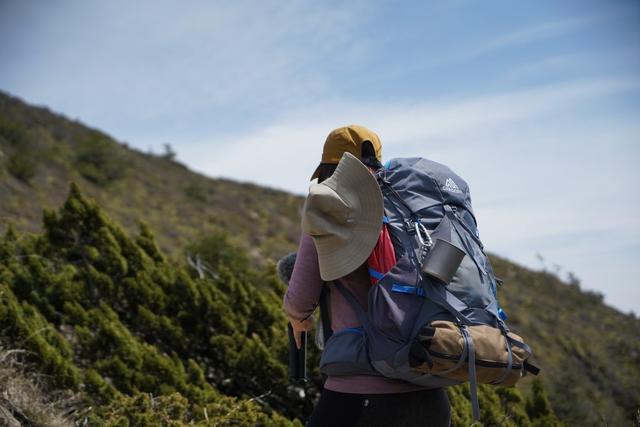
(408, 225)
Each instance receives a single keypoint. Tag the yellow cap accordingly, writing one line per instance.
(348, 139)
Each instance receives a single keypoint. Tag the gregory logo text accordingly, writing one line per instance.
(449, 185)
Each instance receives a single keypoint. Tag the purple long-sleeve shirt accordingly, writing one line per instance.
(302, 298)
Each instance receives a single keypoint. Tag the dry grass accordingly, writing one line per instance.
(24, 400)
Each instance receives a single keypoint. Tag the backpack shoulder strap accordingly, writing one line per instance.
(325, 312)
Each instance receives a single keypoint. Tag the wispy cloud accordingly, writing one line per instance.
(543, 31)
(538, 32)
(407, 129)
(204, 55)
(491, 43)
(559, 66)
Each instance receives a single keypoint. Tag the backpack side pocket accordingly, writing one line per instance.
(345, 353)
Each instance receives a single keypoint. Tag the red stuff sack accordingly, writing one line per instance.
(383, 256)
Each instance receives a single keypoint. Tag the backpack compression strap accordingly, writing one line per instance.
(473, 385)
(532, 369)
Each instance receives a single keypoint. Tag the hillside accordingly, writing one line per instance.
(41, 152)
(110, 315)
(135, 339)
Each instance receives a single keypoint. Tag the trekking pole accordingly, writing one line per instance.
(297, 357)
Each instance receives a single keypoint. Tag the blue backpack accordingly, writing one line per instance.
(418, 328)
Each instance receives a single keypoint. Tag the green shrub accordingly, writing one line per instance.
(22, 164)
(151, 344)
(196, 192)
(539, 409)
(216, 250)
(99, 160)
(109, 313)
(14, 133)
(23, 159)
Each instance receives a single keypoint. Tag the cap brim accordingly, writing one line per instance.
(315, 173)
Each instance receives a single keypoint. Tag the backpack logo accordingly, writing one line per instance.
(449, 185)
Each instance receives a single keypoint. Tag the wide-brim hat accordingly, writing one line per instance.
(343, 215)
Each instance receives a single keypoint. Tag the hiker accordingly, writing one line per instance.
(364, 399)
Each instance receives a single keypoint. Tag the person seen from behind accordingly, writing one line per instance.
(353, 400)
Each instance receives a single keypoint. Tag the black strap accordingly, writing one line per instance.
(325, 312)
(386, 184)
(418, 352)
(532, 369)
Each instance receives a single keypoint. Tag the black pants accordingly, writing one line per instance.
(417, 408)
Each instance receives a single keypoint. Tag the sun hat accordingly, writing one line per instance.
(343, 215)
(348, 139)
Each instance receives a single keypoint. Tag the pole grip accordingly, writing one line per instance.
(297, 357)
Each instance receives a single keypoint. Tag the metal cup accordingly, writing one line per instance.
(442, 261)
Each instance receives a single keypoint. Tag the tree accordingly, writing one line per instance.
(169, 153)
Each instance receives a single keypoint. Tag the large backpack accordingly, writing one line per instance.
(417, 328)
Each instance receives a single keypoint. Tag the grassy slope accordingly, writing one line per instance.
(590, 353)
(178, 204)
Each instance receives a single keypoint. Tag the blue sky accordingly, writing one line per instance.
(536, 104)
